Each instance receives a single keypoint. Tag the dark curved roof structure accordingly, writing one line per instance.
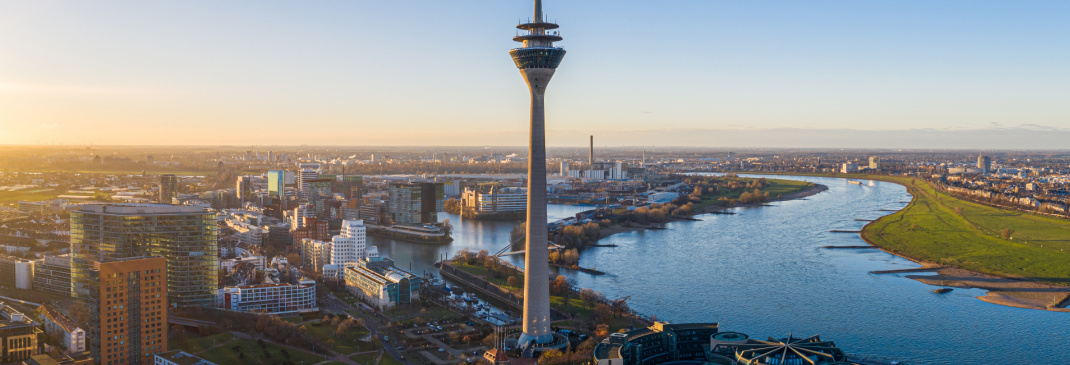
(789, 351)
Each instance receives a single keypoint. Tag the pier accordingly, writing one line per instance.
(845, 231)
(919, 269)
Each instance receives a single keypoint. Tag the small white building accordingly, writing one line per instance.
(61, 328)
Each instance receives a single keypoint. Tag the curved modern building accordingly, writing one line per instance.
(537, 58)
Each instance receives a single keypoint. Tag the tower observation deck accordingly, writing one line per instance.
(537, 59)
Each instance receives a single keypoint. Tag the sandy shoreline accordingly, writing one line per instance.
(1002, 291)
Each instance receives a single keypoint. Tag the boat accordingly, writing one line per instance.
(942, 290)
(859, 183)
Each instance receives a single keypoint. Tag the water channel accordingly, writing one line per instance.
(762, 271)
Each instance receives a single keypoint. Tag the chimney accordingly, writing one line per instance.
(590, 156)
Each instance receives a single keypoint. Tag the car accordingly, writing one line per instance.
(401, 348)
(386, 338)
(441, 349)
(583, 337)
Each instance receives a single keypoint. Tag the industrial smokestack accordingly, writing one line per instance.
(590, 156)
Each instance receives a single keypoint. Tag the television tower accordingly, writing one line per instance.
(537, 59)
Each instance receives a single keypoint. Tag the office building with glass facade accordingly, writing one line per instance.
(185, 236)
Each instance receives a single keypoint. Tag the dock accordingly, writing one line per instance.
(844, 231)
(919, 269)
(888, 210)
(864, 220)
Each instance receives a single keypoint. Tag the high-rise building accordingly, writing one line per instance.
(244, 188)
(304, 182)
(130, 325)
(564, 168)
(537, 60)
(415, 204)
(168, 188)
(186, 236)
(984, 163)
(874, 163)
(277, 184)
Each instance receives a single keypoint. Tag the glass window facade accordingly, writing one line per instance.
(526, 58)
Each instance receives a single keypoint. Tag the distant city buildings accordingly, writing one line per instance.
(415, 204)
(493, 200)
(874, 163)
(984, 163)
(168, 188)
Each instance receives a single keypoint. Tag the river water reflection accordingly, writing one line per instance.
(763, 272)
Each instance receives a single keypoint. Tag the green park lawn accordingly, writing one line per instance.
(345, 344)
(251, 353)
(197, 344)
(939, 228)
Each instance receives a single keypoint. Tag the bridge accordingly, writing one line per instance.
(503, 252)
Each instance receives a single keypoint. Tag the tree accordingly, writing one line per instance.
(553, 356)
(514, 281)
(1007, 233)
(601, 331)
(491, 341)
(560, 285)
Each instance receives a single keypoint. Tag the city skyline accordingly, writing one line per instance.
(712, 74)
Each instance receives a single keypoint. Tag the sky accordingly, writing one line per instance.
(846, 73)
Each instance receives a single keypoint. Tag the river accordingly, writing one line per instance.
(763, 272)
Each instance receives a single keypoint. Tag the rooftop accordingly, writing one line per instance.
(183, 358)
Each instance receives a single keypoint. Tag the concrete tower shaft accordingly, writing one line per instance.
(537, 59)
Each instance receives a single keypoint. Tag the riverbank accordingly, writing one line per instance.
(966, 239)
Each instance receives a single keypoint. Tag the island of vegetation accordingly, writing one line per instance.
(706, 194)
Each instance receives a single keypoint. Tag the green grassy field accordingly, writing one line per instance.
(389, 360)
(251, 353)
(29, 195)
(345, 344)
(939, 228)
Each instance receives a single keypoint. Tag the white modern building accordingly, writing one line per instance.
(328, 258)
(380, 283)
(496, 200)
(270, 298)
